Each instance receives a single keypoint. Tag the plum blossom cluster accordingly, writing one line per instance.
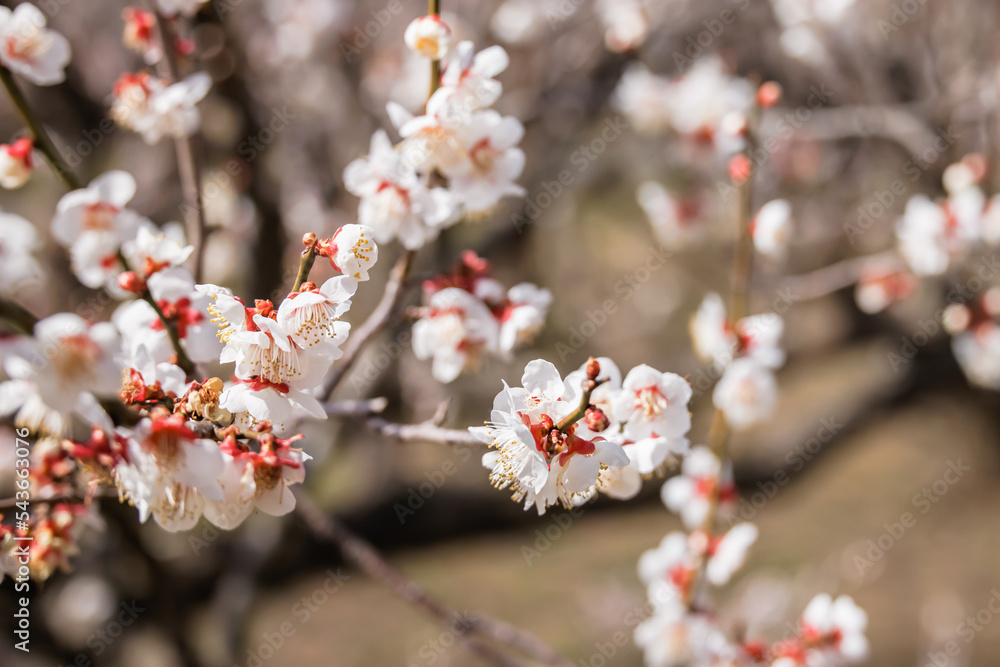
(684, 630)
(457, 159)
(468, 314)
(706, 105)
(933, 236)
(146, 104)
(747, 352)
(562, 441)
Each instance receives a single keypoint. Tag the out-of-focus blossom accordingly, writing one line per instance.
(674, 218)
(771, 228)
(746, 393)
(155, 109)
(18, 241)
(691, 493)
(626, 24)
(456, 330)
(429, 36)
(16, 163)
(30, 49)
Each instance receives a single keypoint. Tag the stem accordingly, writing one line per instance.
(306, 261)
(739, 306)
(18, 316)
(434, 9)
(581, 409)
(377, 321)
(41, 137)
(364, 556)
(183, 360)
(188, 168)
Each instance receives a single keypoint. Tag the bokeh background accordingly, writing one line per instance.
(299, 89)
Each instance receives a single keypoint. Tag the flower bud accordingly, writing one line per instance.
(309, 239)
(768, 94)
(428, 36)
(15, 163)
(596, 420)
(130, 281)
(593, 368)
(740, 168)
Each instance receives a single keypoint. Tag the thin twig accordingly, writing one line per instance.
(18, 316)
(41, 137)
(377, 321)
(424, 432)
(839, 275)
(306, 261)
(364, 556)
(183, 360)
(188, 167)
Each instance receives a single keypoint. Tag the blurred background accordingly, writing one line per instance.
(874, 411)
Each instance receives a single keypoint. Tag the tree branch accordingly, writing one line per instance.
(41, 137)
(188, 167)
(364, 556)
(377, 321)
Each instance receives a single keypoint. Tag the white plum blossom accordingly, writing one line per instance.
(93, 223)
(456, 330)
(672, 638)
(256, 480)
(771, 228)
(185, 308)
(978, 353)
(727, 553)
(467, 81)
(644, 98)
(428, 36)
(395, 202)
(155, 109)
(929, 237)
(16, 163)
(18, 241)
(540, 464)
(653, 404)
(154, 249)
(30, 49)
(713, 338)
(523, 315)
(836, 628)
(690, 494)
(626, 24)
(492, 161)
(60, 371)
(746, 393)
(352, 251)
(169, 472)
(673, 218)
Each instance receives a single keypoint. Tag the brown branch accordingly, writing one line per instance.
(18, 316)
(41, 137)
(377, 321)
(364, 556)
(188, 167)
(837, 276)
